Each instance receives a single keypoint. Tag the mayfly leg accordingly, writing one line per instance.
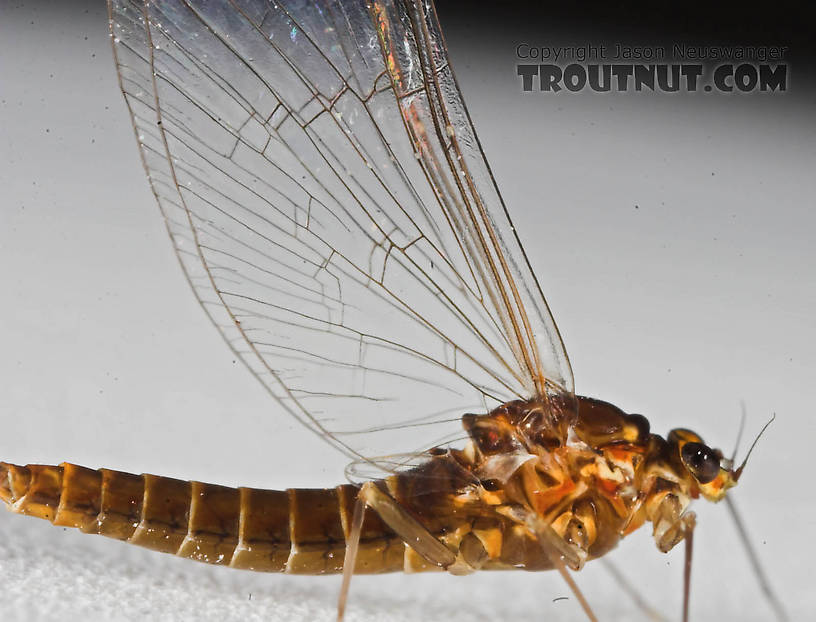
(689, 538)
(350, 559)
(553, 546)
(404, 525)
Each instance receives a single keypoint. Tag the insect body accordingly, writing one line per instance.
(590, 483)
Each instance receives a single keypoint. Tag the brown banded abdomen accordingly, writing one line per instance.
(297, 531)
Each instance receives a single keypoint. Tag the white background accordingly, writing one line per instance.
(672, 236)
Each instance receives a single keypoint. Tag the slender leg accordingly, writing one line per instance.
(553, 545)
(671, 526)
(567, 553)
(687, 570)
(407, 527)
(352, 546)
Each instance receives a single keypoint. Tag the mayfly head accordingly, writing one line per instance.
(710, 470)
(713, 473)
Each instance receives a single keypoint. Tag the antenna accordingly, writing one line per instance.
(738, 472)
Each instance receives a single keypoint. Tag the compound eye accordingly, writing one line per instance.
(702, 461)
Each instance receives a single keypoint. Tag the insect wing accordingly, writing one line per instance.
(331, 207)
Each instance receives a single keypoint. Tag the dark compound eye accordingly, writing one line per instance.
(702, 461)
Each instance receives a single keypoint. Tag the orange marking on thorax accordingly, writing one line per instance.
(610, 488)
(550, 497)
(544, 499)
(624, 454)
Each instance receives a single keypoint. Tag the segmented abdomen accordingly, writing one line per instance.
(298, 531)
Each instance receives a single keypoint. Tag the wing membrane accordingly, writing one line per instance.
(332, 208)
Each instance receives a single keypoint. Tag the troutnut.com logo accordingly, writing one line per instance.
(724, 69)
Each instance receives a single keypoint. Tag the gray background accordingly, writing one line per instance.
(671, 234)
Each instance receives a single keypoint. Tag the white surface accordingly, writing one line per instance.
(700, 297)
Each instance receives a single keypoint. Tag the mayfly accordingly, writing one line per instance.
(333, 211)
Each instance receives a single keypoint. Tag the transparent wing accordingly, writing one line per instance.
(334, 213)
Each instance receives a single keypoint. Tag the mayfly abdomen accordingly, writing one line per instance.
(299, 531)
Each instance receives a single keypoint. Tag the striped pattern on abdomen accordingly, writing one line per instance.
(300, 531)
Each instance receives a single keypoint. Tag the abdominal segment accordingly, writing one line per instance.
(298, 531)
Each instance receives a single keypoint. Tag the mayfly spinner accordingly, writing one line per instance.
(332, 208)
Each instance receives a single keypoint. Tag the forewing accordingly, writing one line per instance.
(332, 208)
